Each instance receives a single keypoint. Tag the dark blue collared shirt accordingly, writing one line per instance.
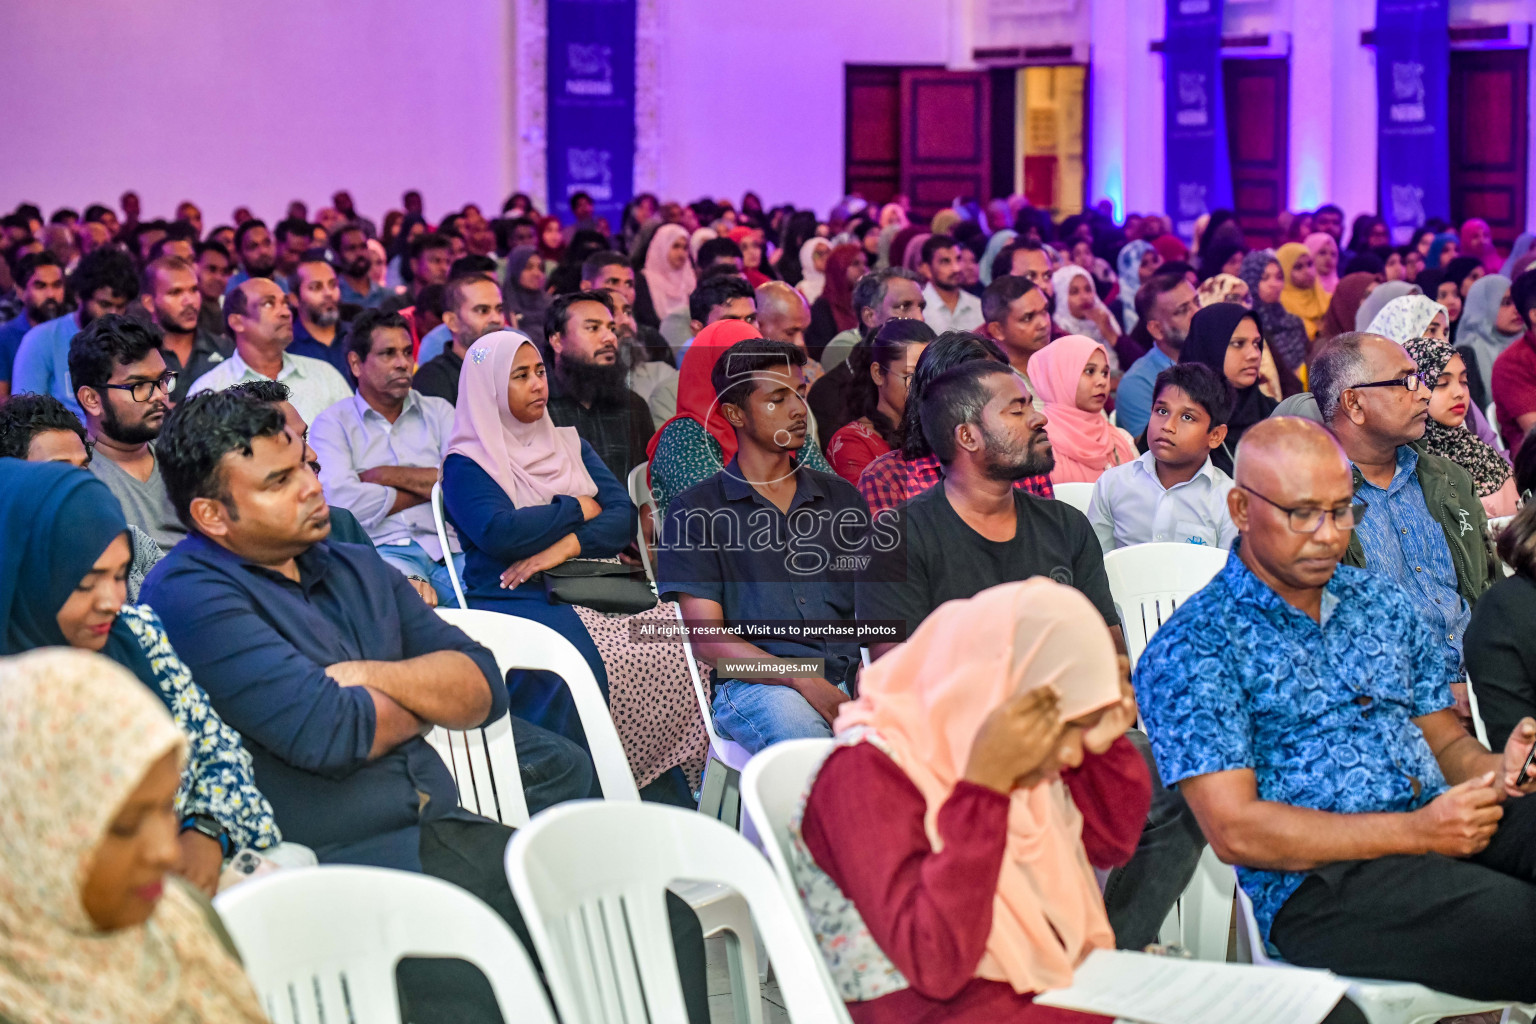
(259, 644)
(724, 542)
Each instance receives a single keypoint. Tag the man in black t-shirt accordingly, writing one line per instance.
(975, 529)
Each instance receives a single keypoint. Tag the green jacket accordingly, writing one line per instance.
(1453, 502)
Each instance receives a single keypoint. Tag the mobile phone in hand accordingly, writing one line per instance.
(1525, 769)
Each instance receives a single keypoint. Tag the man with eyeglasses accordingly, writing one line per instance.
(1427, 533)
(1303, 709)
(122, 383)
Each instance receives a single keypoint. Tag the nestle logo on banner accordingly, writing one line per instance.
(1408, 204)
(1407, 93)
(1192, 112)
(590, 70)
(589, 171)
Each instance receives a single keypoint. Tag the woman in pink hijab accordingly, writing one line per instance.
(946, 846)
(526, 496)
(1325, 257)
(1071, 378)
(1477, 240)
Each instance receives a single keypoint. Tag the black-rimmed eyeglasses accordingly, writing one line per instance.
(1410, 383)
(1310, 520)
(143, 390)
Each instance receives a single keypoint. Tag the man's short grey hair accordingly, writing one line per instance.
(871, 289)
(1339, 364)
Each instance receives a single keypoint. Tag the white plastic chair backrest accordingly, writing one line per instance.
(589, 877)
(1078, 495)
(1149, 581)
(484, 761)
(442, 538)
(698, 682)
(1477, 716)
(771, 786)
(321, 943)
(640, 494)
(1250, 926)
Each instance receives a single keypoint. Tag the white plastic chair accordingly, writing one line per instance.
(640, 494)
(442, 538)
(1201, 920)
(771, 787)
(1078, 495)
(1382, 1002)
(1478, 727)
(720, 794)
(1149, 581)
(600, 925)
(321, 944)
(487, 760)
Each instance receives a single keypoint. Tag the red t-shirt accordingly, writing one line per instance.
(1514, 389)
(853, 447)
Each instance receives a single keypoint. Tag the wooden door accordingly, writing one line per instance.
(1488, 139)
(1257, 94)
(946, 143)
(872, 132)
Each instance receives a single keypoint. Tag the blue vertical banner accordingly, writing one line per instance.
(1413, 71)
(591, 106)
(1197, 166)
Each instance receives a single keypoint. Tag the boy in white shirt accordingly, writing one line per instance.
(1173, 492)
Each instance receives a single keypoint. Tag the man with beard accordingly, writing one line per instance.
(105, 282)
(350, 245)
(588, 383)
(257, 253)
(170, 293)
(381, 452)
(124, 387)
(472, 308)
(318, 298)
(949, 306)
(975, 529)
(1169, 304)
(258, 316)
(40, 281)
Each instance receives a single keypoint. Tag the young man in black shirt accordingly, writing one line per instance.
(975, 529)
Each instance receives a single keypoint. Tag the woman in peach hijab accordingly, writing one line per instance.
(1071, 378)
(946, 847)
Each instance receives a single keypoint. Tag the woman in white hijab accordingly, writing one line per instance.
(813, 264)
(1079, 310)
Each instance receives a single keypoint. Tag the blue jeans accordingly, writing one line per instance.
(759, 714)
(412, 560)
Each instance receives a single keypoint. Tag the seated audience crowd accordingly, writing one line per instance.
(239, 467)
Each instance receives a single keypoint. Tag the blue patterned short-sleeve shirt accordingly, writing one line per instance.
(1321, 713)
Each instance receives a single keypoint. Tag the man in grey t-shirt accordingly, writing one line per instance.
(122, 384)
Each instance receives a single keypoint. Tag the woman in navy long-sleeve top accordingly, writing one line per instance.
(524, 496)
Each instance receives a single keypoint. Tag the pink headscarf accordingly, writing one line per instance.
(669, 288)
(1486, 250)
(533, 462)
(1085, 443)
(1315, 243)
(925, 701)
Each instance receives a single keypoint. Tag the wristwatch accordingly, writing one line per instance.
(208, 825)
